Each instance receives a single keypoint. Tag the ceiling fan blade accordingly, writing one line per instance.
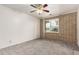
(33, 6)
(45, 5)
(46, 10)
(33, 11)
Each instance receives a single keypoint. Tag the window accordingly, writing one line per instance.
(52, 25)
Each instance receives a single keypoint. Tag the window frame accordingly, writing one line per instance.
(52, 31)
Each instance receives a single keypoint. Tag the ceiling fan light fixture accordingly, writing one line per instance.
(39, 11)
(40, 8)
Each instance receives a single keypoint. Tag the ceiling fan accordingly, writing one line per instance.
(39, 8)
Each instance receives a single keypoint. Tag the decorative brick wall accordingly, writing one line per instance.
(67, 29)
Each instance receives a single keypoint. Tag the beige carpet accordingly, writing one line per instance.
(39, 47)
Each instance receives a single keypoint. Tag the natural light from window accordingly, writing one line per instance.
(52, 25)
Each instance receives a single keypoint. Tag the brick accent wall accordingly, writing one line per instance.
(67, 29)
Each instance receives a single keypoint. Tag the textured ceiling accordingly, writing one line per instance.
(55, 9)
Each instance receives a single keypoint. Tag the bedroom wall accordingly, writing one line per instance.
(17, 27)
(67, 29)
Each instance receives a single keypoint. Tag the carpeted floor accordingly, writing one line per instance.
(39, 47)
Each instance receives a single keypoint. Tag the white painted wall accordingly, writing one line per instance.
(17, 27)
(78, 27)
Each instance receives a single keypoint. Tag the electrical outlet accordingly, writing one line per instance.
(10, 41)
